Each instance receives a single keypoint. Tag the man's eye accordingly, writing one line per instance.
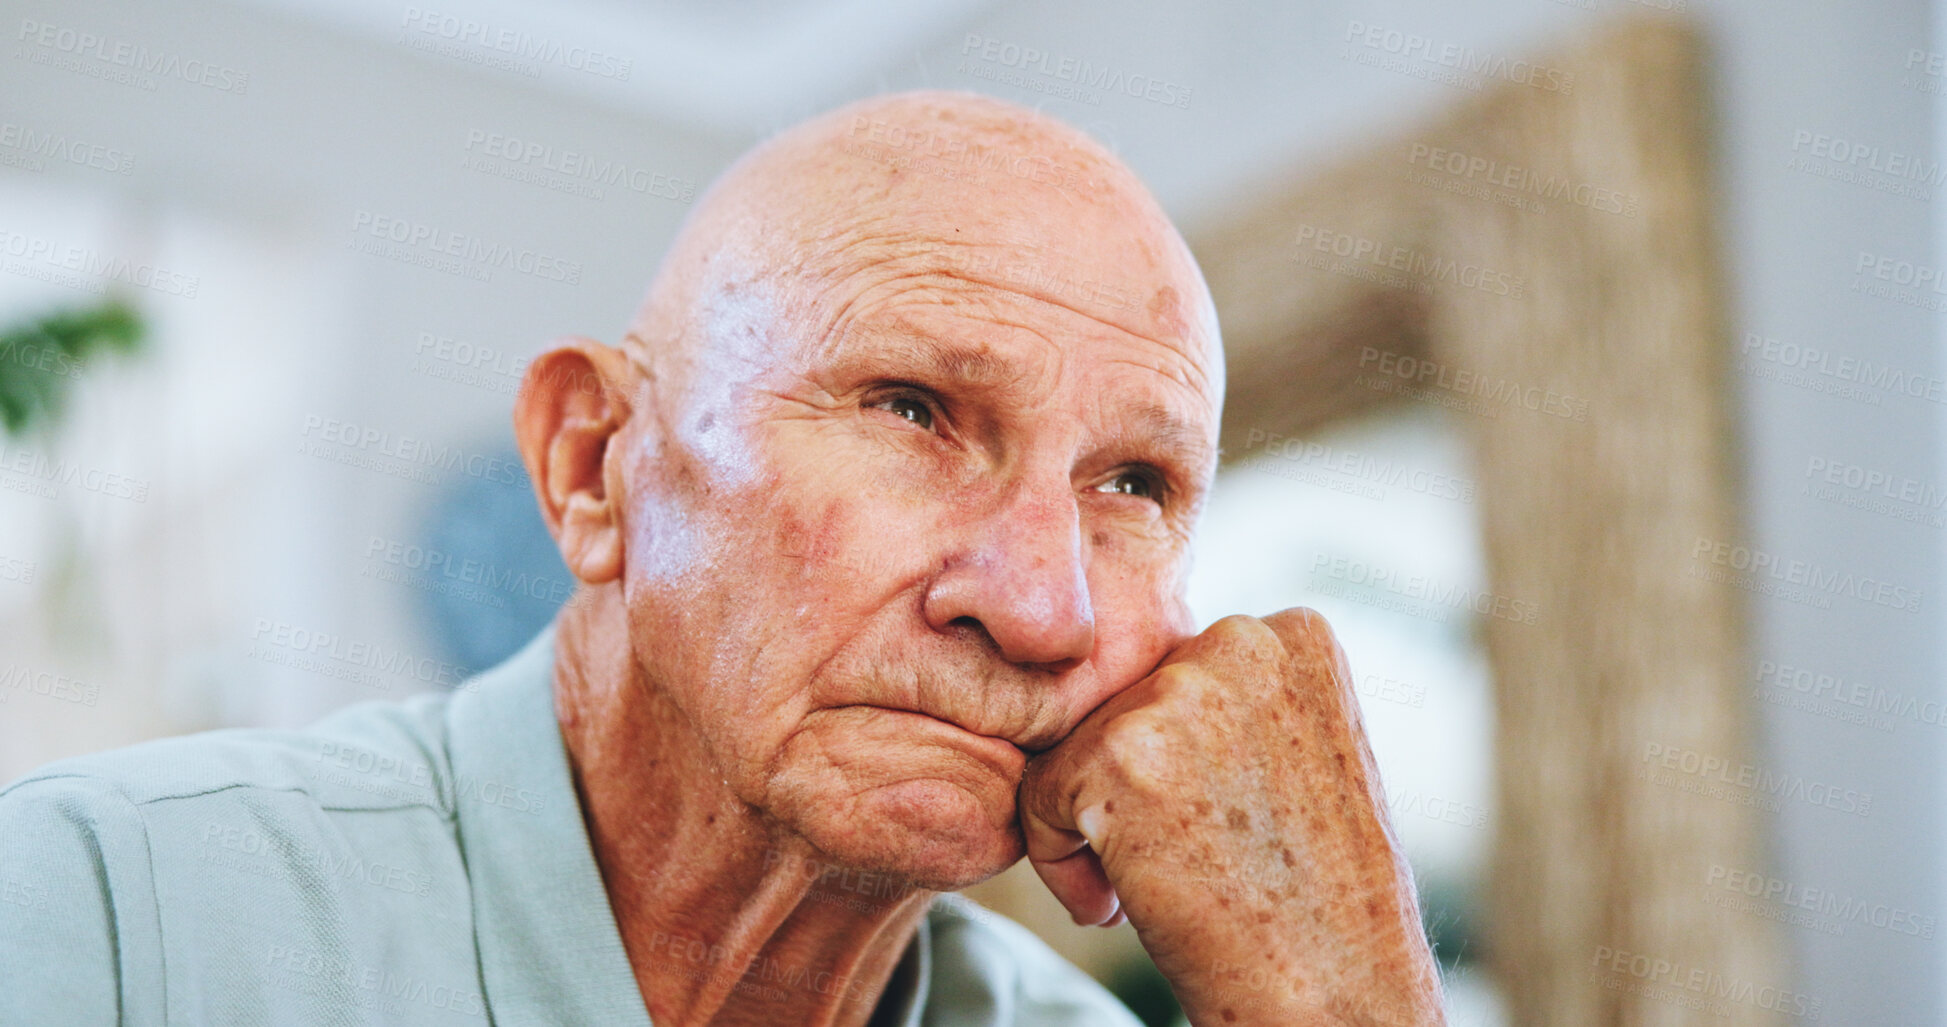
(1139, 483)
(911, 408)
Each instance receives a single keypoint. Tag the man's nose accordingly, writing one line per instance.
(1022, 578)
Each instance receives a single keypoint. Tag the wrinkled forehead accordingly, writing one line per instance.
(1002, 306)
(940, 188)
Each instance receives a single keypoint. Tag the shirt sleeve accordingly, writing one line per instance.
(78, 935)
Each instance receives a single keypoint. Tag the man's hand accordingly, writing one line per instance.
(1228, 805)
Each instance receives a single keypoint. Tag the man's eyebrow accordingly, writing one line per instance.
(1155, 425)
(936, 360)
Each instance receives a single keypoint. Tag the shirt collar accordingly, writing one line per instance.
(550, 951)
(912, 979)
(549, 948)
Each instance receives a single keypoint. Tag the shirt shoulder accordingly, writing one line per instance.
(224, 876)
(62, 934)
(989, 970)
(373, 755)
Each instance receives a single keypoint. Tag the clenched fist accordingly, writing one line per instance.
(1229, 807)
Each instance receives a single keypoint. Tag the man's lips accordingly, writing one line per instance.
(1005, 749)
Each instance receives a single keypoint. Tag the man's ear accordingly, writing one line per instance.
(573, 401)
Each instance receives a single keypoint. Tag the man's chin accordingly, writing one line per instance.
(929, 834)
(901, 794)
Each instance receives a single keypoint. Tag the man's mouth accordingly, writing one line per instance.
(1007, 749)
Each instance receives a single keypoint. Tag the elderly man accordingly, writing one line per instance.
(881, 514)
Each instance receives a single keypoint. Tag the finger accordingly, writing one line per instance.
(1058, 837)
(1046, 803)
(1078, 882)
(1049, 832)
(1061, 856)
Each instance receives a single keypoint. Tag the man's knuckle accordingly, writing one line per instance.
(1239, 627)
(1136, 749)
(1176, 680)
(1135, 728)
(1302, 628)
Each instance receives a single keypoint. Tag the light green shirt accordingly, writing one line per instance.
(421, 862)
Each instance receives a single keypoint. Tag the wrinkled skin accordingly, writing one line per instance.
(882, 514)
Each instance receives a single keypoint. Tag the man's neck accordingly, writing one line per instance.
(724, 921)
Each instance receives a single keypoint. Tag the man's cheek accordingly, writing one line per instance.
(839, 527)
(755, 742)
(1140, 619)
(1178, 624)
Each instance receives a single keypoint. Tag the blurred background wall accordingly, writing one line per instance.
(300, 492)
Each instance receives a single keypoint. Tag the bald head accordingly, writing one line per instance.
(930, 182)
